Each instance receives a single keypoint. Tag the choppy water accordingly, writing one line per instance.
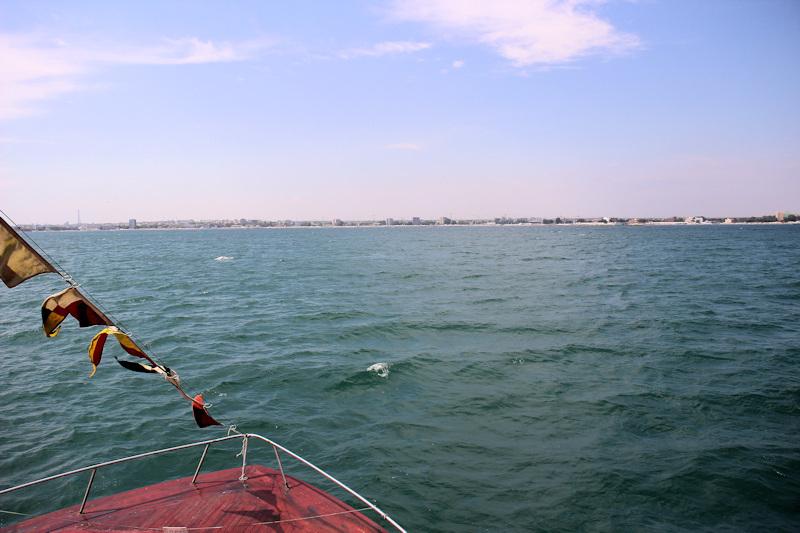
(468, 379)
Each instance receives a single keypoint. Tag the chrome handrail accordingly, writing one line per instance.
(244, 436)
(329, 477)
(116, 461)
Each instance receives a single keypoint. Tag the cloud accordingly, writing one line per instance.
(385, 48)
(187, 51)
(37, 69)
(526, 32)
(458, 63)
(413, 147)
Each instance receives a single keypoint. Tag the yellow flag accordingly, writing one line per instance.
(18, 261)
(99, 342)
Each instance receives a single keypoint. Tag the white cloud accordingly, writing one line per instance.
(385, 48)
(526, 32)
(413, 147)
(458, 63)
(36, 69)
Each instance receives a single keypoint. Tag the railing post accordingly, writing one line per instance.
(280, 467)
(88, 490)
(200, 464)
(243, 453)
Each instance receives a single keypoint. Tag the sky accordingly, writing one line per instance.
(398, 108)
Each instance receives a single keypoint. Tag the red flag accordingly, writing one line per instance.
(201, 416)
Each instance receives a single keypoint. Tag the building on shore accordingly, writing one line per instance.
(132, 223)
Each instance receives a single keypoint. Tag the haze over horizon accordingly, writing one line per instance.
(398, 108)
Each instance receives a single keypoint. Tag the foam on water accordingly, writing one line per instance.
(381, 369)
(223, 258)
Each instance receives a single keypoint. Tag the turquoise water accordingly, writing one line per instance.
(539, 378)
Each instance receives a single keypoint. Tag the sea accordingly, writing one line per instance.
(542, 378)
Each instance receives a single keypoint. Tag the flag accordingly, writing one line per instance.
(201, 416)
(18, 261)
(99, 342)
(70, 301)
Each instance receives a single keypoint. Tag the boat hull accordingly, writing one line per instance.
(218, 501)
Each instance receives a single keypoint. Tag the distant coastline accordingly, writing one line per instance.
(191, 224)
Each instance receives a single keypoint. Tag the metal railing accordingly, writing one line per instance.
(245, 440)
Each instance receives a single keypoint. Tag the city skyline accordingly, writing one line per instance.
(399, 108)
(193, 223)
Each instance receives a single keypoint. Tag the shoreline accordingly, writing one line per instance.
(28, 228)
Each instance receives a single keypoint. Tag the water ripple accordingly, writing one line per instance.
(467, 379)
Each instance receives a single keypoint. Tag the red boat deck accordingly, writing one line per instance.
(218, 502)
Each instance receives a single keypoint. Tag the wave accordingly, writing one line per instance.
(372, 376)
(380, 369)
(329, 316)
(377, 374)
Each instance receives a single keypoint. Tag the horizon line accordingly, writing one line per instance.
(335, 221)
